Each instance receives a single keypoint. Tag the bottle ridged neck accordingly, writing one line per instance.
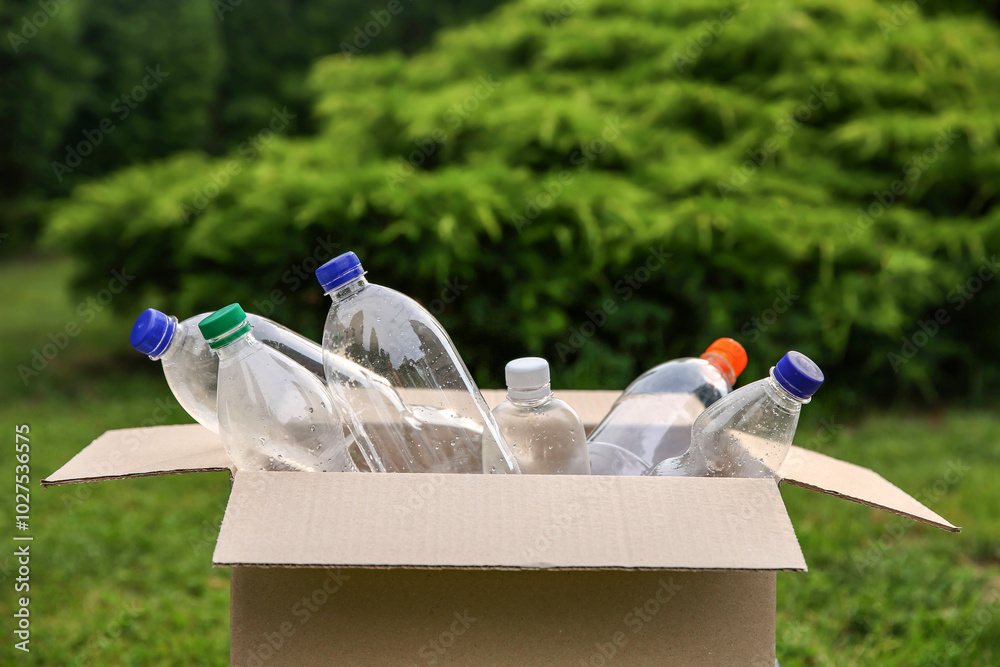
(350, 289)
(529, 397)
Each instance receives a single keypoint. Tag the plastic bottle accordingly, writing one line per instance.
(545, 434)
(651, 420)
(443, 422)
(273, 413)
(192, 369)
(749, 432)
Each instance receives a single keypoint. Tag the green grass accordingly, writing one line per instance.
(121, 571)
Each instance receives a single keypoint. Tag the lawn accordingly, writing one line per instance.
(122, 575)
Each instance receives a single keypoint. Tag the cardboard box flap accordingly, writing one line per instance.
(139, 452)
(831, 476)
(506, 522)
(591, 405)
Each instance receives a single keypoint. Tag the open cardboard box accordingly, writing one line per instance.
(366, 569)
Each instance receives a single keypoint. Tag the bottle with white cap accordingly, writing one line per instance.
(545, 434)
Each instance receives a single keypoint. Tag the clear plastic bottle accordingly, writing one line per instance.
(192, 369)
(273, 413)
(749, 432)
(651, 420)
(545, 434)
(442, 423)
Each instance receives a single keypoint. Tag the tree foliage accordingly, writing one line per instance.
(610, 184)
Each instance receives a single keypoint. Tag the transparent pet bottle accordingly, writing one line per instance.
(273, 413)
(749, 432)
(544, 433)
(651, 421)
(442, 421)
(192, 369)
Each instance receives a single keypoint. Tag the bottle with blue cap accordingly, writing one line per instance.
(443, 424)
(544, 433)
(192, 369)
(273, 413)
(749, 432)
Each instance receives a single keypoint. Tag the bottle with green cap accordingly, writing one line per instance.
(273, 413)
(192, 369)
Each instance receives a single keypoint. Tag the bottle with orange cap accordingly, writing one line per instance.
(651, 420)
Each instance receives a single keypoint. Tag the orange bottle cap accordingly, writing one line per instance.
(731, 351)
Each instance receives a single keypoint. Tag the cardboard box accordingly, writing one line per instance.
(366, 569)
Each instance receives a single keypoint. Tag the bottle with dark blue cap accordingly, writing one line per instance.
(441, 423)
(749, 432)
(191, 369)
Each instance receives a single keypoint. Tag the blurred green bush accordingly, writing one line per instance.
(610, 184)
(69, 67)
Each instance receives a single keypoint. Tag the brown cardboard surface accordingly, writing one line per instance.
(506, 521)
(137, 452)
(812, 470)
(318, 617)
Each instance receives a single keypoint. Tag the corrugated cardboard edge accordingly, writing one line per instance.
(833, 477)
(144, 452)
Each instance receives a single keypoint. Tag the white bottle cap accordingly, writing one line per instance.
(527, 373)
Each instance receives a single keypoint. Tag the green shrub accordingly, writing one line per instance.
(543, 156)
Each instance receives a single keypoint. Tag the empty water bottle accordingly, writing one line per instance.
(749, 432)
(651, 420)
(443, 421)
(545, 434)
(273, 413)
(192, 369)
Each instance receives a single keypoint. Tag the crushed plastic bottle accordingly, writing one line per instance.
(442, 421)
(192, 369)
(273, 413)
(651, 421)
(544, 433)
(749, 432)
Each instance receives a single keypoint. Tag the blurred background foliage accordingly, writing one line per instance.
(526, 167)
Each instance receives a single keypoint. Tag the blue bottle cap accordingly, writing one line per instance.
(339, 271)
(798, 374)
(152, 332)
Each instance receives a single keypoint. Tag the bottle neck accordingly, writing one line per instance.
(529, 397)
(722, 365)
(177, 332)
(782, 396)
(238, 348)
(350, 289)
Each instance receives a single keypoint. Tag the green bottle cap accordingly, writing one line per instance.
(224, 326)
